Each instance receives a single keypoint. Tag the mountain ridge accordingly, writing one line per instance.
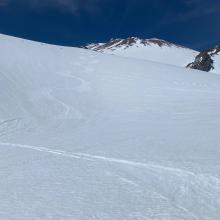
(152, 49)
(130, 41)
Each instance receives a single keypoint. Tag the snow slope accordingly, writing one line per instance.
(85, 135)
(148, 49)
(216, 64)
(215, 55)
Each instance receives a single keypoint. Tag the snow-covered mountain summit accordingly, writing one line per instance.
(149, 49)
(114, 44)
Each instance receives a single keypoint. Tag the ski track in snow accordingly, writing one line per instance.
(83, 87)
(9, 126)
(65, 106)
(158, 170)
(90, 157)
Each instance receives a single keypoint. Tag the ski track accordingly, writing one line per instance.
(9, 126)
(89, 157)
(65, 106)
(84, 86)
(180, 173)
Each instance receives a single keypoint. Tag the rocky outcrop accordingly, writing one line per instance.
(205, 60)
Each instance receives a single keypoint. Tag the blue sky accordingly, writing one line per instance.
(193, 23)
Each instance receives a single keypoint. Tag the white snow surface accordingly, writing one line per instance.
(89, 136)
(216, 64)
(168, 54)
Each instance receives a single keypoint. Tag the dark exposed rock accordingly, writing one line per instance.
(204, 60)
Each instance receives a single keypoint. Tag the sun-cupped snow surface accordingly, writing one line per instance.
(89, 136)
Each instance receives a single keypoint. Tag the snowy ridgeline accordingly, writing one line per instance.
(156, 50)
(89, 136)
